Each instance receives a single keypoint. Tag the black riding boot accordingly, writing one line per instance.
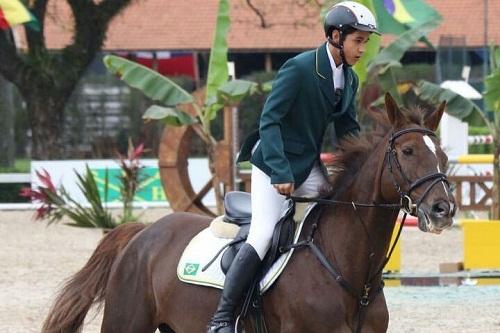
(238, 279)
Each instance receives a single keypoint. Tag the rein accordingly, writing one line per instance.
(369, 292)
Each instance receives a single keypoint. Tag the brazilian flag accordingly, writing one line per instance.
(397, 16)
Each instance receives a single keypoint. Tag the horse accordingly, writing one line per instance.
(333, 286)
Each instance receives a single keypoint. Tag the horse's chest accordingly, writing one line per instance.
(311, 304)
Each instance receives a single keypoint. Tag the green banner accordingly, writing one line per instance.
(150, 188)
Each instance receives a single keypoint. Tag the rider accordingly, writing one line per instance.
(311, 90)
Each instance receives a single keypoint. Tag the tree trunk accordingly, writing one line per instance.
(495, 207)
(46, 118)
(7, 116)
(216, 180)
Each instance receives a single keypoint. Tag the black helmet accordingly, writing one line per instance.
(349, 14)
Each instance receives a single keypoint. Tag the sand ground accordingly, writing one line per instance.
(36, 258)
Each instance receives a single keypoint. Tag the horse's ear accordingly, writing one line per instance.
(393, 111)
(433, 119)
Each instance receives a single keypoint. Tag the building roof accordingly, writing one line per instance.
(291, 25)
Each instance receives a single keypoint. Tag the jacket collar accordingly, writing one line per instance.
(325, 74)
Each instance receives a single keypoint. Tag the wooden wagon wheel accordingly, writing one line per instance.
(173, 163)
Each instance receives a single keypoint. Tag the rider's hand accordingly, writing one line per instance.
(284, 189)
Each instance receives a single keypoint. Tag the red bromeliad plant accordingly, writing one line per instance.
(130, 178)
(57, 203)
(41, 195)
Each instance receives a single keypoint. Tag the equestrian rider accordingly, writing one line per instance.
(310, 91)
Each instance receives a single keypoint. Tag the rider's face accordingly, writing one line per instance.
(355, 45)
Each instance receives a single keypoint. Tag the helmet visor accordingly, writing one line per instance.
(364, 27)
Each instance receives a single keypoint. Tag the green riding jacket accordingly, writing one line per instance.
(296, 115)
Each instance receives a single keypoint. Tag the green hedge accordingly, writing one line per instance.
(481, 148)
(9, 193)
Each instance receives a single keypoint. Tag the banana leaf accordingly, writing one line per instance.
(492, 94)
(494, 57)
(217, 66)
(234, 91)
(151, 83)
(395, 51)
(169, 116)
(457, 106)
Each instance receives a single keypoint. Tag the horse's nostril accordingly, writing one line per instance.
(441, 208)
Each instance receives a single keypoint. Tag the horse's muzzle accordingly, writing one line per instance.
(437, 217)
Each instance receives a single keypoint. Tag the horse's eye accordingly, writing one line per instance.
(408, 151)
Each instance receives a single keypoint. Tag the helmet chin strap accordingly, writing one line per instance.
(340, 47)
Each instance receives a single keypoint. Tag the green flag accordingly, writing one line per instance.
(397, 16)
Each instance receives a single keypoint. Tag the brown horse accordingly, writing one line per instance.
(133, 270)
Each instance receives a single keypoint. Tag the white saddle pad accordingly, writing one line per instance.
(205, 245)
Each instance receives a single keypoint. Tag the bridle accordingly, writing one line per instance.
(370, 289)
(391, 159)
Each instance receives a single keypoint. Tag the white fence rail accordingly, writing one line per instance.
(15, 178)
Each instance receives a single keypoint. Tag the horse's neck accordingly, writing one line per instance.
(349, 236)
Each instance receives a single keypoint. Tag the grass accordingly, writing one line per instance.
(22, 165)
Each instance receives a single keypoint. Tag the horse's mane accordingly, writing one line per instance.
(353, 151)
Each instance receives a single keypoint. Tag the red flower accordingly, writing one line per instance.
(27, 192)
(42, 211)
(46, 180)
(137, 152)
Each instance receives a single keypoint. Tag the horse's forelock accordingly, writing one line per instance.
(353, 151)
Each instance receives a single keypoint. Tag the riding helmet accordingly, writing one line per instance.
(349, 14)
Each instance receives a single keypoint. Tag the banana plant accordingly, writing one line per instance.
(384, 64)
(171, 99)
(464, 109)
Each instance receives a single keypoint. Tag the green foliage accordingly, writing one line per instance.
(22, 165)
(387, 63)
(371, 51)
(480, 148)
(395, 51)
(217, 67)
(414, 72)
(9, 192)
(463, 108)
(55, 204)
(152, 84)
(492, 94)
(457, 105)
(478, 130)
(232, 92)
(251, 107)
(169, 116)
(219, 91)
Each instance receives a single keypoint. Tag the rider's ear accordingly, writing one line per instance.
(395, 116)
(433, 119)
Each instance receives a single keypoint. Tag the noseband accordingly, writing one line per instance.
(391, 157)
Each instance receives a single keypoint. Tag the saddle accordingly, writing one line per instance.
(210, 253)
(238, 211)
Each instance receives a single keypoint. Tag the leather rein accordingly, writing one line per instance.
(372, 288)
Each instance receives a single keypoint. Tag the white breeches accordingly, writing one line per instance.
(267, 205)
